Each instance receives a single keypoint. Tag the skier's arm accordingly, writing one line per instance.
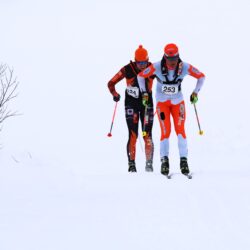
(192, 71)
(116, 78)
(146, 73)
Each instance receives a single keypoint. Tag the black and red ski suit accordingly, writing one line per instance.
(135, 110)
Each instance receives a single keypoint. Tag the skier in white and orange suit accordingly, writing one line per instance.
(169, 73)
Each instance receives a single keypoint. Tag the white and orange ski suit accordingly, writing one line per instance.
(169, 99)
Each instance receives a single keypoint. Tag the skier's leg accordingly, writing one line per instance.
(132, 124)
(147, 122)
(163, 113)
(179, 116)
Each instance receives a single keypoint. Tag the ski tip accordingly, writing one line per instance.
(169, 176)
(189, 176)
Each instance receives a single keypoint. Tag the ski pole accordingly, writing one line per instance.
(200, 131)
(109, 134)
(144, 133)
(140, 143)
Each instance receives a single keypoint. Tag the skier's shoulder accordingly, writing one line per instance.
(128, 65)
(185, 65)
(191, 70)
(129, 70)
(158, 68)
(157, 65)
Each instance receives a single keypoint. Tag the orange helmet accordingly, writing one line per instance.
(171, 50)
(141, 54)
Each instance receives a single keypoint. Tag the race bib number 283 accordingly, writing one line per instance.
(169, 89)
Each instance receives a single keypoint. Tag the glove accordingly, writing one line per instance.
(145, 99)
(116, 98)
(194, 98)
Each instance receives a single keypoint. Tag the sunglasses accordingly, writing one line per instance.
(172, 58)
(142, 63)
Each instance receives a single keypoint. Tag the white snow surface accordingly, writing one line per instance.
(64, 184)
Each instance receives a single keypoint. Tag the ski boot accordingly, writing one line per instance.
(184, 166)
(164, 165)
(149, 166)
(131, 166)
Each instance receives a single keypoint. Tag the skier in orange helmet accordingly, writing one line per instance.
(170, 72)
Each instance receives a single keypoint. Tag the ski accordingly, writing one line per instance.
(168, 176)
(189, 176)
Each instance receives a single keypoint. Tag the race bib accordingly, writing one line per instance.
(170, 89)
(133, 91)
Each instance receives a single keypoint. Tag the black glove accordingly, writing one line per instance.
(116, 98)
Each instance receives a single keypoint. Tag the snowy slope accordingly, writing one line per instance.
(64, 183)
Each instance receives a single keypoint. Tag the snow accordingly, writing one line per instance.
(64, 184)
